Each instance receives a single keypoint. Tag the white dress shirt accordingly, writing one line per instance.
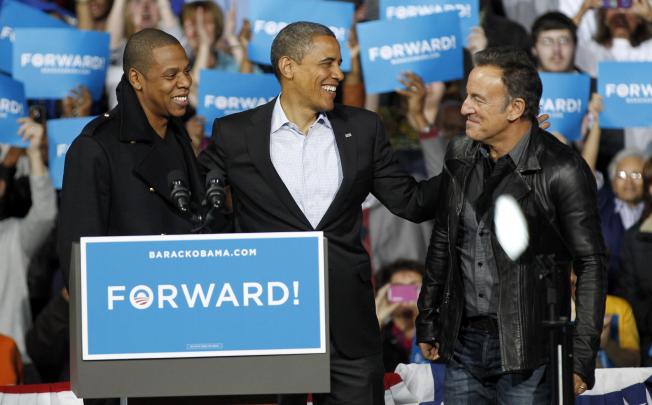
(309, 164)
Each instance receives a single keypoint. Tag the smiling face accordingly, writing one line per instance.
(555, 50)
(163, 90)
(315, 78)
(486, 106)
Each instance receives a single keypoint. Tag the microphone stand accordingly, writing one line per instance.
(560, 349)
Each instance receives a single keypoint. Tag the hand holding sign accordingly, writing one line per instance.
(78, 103)
(32, 133)
(477, 40)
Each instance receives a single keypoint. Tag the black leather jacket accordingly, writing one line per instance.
(556, 192)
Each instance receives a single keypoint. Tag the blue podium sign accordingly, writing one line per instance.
(51, 69)
(202, 295)
(428, 46)
(626, 88)
(468, 11)
(268, 17)
(61, 133)
(224, 93)
(566, 99)
(12, 107)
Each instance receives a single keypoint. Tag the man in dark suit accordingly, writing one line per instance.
(303, 163)
(116, 177)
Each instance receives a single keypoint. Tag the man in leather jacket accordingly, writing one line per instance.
(478, 310)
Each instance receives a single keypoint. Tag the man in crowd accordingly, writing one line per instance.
(554, 39)
(303, 163)
(116, 172)
(475, 300)
(554, 45)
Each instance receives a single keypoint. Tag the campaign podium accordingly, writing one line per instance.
(240, 316)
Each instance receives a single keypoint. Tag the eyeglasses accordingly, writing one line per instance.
(634, 176)
(561, 41)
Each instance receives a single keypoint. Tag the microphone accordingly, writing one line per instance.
(215, 193)
(178, 190)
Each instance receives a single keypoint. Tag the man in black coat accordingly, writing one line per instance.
(302, 163)
(478, 310)
(116, 176)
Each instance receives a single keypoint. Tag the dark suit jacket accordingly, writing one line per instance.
(115, 179)
(261, 202)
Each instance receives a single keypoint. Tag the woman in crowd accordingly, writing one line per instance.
(623, 34)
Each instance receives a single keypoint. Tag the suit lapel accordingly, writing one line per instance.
(347, 148)
(258, 141)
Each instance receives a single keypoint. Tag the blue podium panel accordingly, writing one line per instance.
(202, 295)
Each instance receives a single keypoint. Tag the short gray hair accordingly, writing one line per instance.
(620, 156)
(295, 40)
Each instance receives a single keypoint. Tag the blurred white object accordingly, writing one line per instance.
(511, 227)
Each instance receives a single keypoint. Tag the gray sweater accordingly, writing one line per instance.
(20, 238)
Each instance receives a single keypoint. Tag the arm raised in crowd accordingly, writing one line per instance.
(38, 223)
(591, 145)
(115, 23)
(169, 20)
(83, 13)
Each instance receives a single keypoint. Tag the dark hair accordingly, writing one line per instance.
(295, 40)
(647, 183)
(519, 75)
(138, 52)
(642, 32)
(189, 11)
(553, 20)
(385, 274)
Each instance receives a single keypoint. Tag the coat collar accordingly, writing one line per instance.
(466, 151)
(153, 167)
(134, 126)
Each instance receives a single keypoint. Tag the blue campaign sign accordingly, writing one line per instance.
(61, 133)
(69, 58)
(203, 295)
(566, 99)
(428, 46)
(626, 88)
(224, 93)
(468, 11)
(14, 15)
(268, 17)
(12, 107)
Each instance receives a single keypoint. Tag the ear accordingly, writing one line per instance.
(516, 109)
(286, 67)
(135, 79)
